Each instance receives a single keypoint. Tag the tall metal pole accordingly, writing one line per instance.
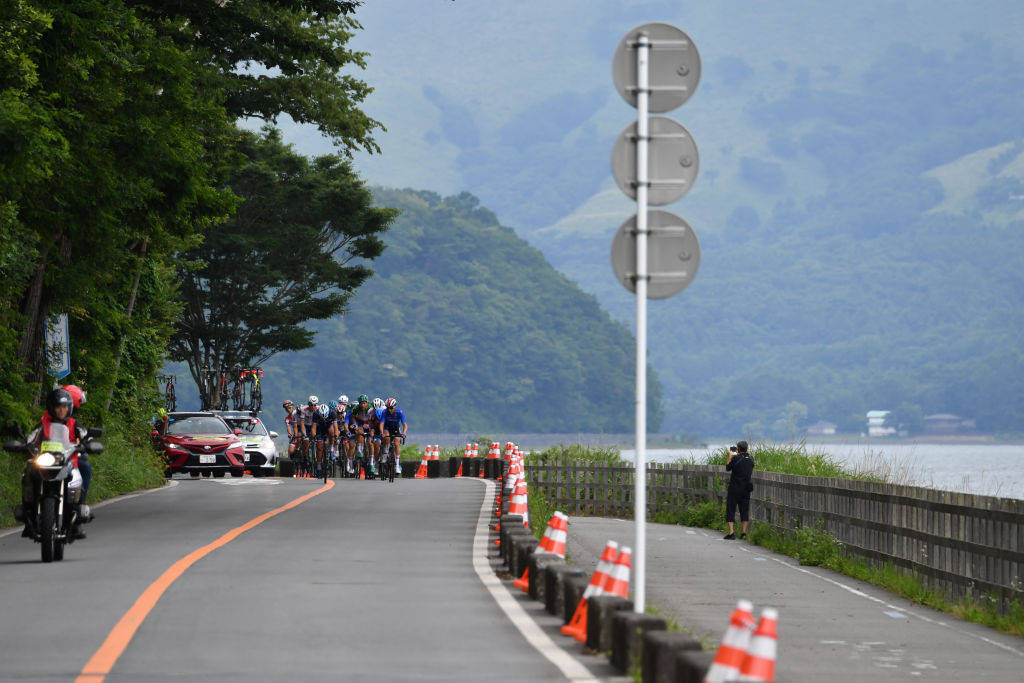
(643, 52)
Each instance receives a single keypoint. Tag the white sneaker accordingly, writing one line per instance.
(398, 467)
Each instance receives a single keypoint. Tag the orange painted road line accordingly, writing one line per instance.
(96, 669)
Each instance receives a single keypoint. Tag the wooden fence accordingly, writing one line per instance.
(959, 544)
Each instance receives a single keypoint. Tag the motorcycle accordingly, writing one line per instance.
(52, 475)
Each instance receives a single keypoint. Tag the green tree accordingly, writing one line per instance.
(273, 57)
(110, 171)
(295, 250)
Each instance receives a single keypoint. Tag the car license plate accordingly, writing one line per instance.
(207, 458)
(247, 457)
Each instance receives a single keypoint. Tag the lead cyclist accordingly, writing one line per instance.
(393, 429)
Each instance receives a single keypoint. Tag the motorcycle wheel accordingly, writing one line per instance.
(58, 550)
(48, 528)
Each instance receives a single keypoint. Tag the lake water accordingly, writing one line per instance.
(988, 469)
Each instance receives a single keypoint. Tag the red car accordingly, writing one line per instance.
(199, 443)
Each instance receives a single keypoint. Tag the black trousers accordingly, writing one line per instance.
(734, 500)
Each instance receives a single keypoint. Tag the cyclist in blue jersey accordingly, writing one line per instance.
(378, 411)
(394, 428)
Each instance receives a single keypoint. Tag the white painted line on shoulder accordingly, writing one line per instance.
(570, 668)
(169, 485)
(895, 615)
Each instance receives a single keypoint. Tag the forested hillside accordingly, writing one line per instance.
(472, 330)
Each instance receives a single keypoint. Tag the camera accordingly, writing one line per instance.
(733, 449)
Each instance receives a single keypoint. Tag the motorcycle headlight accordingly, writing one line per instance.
(46, 460)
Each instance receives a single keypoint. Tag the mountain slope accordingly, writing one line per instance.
(472, 330)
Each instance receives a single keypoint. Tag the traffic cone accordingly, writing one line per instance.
(421, 473)
(577, 626)
(459, 473)
(493, 451)
(519, 504)
(523, 582)
(437, 452)
(553, 540)
(733, 650)
(618, 577)
(759, 664)
(362, 473)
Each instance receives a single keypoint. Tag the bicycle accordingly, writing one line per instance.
(363, 462)
(170, 400)
(387, 464)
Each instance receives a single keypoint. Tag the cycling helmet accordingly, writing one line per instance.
(343, 400)
(59, 397)
(378, 403)
(314, 401)
(391, 403)
(363, 398)
(77, 395)
(287, 403)
(324, 410)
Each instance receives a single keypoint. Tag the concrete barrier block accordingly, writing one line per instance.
(599, 620)
(572, 591)
(409, 468)
(509, 523)
(287, 467)
(659, 654)
(509, 549)
(692, 665)
(453, 466)
(554, 594)
(433, 469)
(628, 630)
(524, 546)
(539, 562)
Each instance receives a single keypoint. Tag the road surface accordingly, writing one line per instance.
(363, 581)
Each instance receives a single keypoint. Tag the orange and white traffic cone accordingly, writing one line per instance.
(474, 450)
(421, 473)
(519, 504)
(362, 473)
(618, 578)
(577, 626)
(553, 540)
(459, 473)
(733, 650)
(759, 664)
(493, 452)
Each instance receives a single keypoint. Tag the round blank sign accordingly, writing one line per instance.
(674, 66)
(672, 160)
(673, 254)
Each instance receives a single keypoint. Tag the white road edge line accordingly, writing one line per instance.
(569, 667)
(897, 608)
(169, 485)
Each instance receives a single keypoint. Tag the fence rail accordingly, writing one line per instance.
(959, 544)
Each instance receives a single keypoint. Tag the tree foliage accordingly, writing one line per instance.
(295, 250)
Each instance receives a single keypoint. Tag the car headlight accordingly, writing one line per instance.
(175, 447)
(46, 460)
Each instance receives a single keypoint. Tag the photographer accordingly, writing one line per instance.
(741, 464)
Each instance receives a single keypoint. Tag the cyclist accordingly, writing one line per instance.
(345, 440)
(307, 430)
(292, 425)
(322, 431)
(378, 412)
(359, 420)
(394, 428)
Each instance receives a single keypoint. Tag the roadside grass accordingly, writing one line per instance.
(126, 464)
(601, 455)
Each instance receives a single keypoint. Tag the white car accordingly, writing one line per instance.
(260, 449)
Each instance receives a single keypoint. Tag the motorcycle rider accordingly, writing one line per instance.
(60, 406)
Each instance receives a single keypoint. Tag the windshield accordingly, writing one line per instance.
(199, 424)
(59, 441)
(249, 426)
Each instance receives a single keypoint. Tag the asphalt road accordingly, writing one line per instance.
(365, 581)
(831, 627)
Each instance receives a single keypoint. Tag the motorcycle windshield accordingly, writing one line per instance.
(59, 441)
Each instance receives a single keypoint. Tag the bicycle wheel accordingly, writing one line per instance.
(257, 399)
